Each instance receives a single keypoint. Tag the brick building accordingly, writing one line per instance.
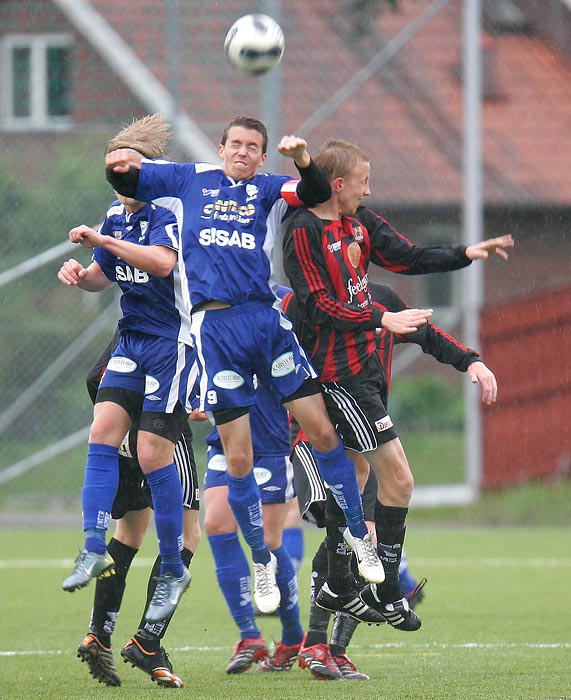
(71, 67)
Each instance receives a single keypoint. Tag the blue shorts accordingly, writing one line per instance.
(273, 474)
(162, 370)
(234, 343)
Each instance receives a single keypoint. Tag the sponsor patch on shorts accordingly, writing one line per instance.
(283, 365)
(262, 475)
(227, 379)
(151, 384)
(383, 424)
(121, 364)
(217, 463)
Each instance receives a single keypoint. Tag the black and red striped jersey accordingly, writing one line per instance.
(395, 252)
(327, 263)
(433, 341)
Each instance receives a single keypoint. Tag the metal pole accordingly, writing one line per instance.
(380, 59)
(173, 61)
(472, 227)
(271, 99)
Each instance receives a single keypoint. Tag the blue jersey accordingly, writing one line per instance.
(150, 304)
(269, 424)
(228, 228)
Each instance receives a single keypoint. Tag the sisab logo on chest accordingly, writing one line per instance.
(128, 274)
(222, 238)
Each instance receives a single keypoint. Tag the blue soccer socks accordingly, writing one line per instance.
(339, 473)
(234, 579)
(100, 485)
(166, 491)
(292, 538)
(244, 499)
(286, 578)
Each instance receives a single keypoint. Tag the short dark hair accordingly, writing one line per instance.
(247, 123)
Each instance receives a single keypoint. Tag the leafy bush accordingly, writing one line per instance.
(427, 402)
(68, 188)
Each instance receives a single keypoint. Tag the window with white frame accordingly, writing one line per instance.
(36, 81)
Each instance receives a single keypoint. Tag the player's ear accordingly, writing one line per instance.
(263, 158)
(221, 150)
(337, 184)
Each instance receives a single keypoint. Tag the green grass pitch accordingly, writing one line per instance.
(496, 624)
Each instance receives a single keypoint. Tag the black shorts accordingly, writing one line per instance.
(309, 486)
(311, 490)
(186, 465)
(357, 410)
(167, 425)
(134, 492)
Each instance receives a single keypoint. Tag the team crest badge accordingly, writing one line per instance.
(251, 191)
(354, 254)
(117, 234)
(358, 233)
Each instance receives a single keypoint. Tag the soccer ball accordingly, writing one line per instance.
(254, 44)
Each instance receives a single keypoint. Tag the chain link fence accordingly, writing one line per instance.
(53, 180)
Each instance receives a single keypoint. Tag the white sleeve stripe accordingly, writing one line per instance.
(290, 186)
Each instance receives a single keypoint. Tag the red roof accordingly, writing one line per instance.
(408, 116)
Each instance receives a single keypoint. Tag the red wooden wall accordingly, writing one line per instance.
(527, 343)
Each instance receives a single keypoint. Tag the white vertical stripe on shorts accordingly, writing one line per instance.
(317, 489)
(364, 434)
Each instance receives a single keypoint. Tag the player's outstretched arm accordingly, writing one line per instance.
(407, 321)
(314, 187)
(479, 373)
(122, 159)
(295, 147)
(499, 246)
(155, 259)
(122, 170)
(86, 236)
(91, 279)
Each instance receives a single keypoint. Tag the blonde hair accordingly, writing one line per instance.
(339, 158)
(149, 135)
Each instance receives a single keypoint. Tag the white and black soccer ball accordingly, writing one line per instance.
(254, 44)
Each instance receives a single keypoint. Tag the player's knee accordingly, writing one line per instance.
(395, 482)
(398, 487)
(403, 477)
(104, 434)
(215, 525)
(130, 532)
(404, 482)
(154, 451)
(97, 435)
(322, 435)
(239, 462)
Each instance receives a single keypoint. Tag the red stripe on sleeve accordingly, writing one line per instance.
(289, 193)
